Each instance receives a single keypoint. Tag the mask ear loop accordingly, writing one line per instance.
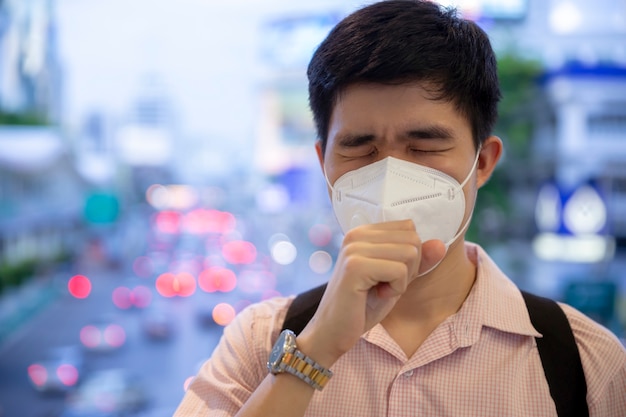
(328, 182)
(467, 222)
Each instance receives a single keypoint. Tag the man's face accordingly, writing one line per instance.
(373, 121)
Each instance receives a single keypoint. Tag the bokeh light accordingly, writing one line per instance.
(168, 221)
(320, 262)
(188, 382)
(202, 221)
(38, 374)
(239, 252)
(320, 234)
(217, 279)
(169, 285)
(125, 298)
(141, 296)
(223, 314)
(67, 374)
(121, 298)
(174, 196)
(114, 335)
(585, 212)
(156, 196)
(79, 286)
(90, 336)
(284, 252)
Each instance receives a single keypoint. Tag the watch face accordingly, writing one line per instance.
(277, 351)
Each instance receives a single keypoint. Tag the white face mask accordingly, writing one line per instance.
(394, 189)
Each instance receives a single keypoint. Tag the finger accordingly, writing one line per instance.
(389, 225)
(380, 234)
(407, 253)
(433, 252)
(365, 273)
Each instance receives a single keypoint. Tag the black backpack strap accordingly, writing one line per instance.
(302, 309)
(559, 356)
(557, 348)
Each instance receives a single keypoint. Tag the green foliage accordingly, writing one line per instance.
(22, 119)
(13, 275)
(518, 82)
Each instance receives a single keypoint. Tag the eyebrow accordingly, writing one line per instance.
(350, 140)
(430, 132)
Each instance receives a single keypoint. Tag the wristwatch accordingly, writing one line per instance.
(285, 357)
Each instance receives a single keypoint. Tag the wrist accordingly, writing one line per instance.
(318, 348)
(286, 357)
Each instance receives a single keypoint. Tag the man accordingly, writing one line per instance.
(414, 321)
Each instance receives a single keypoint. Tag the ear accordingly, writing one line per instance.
(320, 154)
(490, 154)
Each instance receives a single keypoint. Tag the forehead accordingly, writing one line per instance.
(381, 108)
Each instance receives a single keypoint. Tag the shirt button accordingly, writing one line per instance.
(408, 374)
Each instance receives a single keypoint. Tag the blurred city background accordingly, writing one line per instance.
(157, 175)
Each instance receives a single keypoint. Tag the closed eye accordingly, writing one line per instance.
(428, 151)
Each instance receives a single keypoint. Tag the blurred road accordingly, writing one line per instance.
(162, 365)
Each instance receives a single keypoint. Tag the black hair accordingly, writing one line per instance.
(398, 41)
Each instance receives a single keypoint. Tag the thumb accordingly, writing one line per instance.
(433, 252)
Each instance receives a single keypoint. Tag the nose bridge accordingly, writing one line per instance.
(393, 148)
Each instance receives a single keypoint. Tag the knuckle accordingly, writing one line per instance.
(351, 236)
(351, 263)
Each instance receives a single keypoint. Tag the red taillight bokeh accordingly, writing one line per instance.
(38, 374)
(67, 374)
(90, 336)
(201, 221)
(125, 298)
(182, 284)
(168, 221)
(239, 252)
(217, 279)
(113, 335)
(79, 286)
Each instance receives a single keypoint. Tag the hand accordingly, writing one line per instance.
(376, 263)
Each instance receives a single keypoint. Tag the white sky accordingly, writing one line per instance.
(205, 51)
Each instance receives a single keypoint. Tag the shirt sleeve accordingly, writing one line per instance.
(604, 362)
(238, 363)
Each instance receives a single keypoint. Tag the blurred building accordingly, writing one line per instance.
(144, 140)
(40, 190)
(579, 121)
(30, 74)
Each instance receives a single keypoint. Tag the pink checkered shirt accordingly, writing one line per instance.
(480, 362)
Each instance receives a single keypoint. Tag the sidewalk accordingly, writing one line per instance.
(18, 305)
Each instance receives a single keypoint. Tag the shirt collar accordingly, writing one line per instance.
(494, 302)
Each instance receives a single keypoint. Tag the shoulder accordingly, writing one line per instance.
(602, 354)
(242, 351)
(260, 321)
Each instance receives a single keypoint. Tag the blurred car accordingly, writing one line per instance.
(157, 324)
(105, 334)
(59, 372)
(107, 393)
(158, 412)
